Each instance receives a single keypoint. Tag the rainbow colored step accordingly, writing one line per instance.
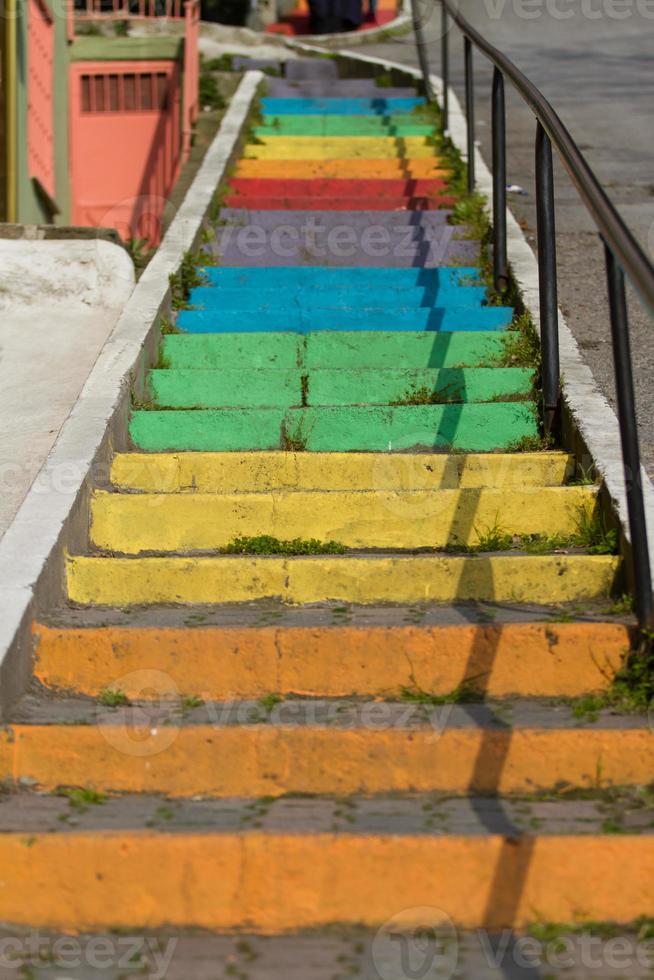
(329, 528)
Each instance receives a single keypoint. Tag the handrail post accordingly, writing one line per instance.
(445, 66)
(470, 111)
(624, 389)
(421, 48)
(547, 282)
(500, 262)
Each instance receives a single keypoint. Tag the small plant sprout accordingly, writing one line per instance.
(111, 697)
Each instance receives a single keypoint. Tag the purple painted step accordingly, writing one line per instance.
(243, 63)
(342, 247)
(302, 68)
(338, 238)
(359, 88)
(359, 220)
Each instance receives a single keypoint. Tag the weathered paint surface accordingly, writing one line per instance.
(363, 350)
(324, 296)
(337, 187)
(214, 881)
(195, 387)
(475, 427)
(348, 167)
(339, 204)
(379, 106)
(347, 277)
(348, 578)
(230, 472)
(531, 660)
(133, 523)
(342, 126)
(354, 147)
(271, 760)
(217, 319)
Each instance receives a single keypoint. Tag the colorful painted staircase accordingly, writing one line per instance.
(278, 724)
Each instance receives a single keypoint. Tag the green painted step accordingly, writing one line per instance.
(343, 126)
(192, 388)
(470, 427)
(334, 349)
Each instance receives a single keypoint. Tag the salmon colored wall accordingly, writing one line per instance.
(124, 162)
(40, 82)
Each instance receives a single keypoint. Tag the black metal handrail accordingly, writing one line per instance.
(624, 256)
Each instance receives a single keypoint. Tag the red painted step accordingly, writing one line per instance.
(337, 187)
(308, 203)
(298, 24)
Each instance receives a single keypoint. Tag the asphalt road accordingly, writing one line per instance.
(597, 69)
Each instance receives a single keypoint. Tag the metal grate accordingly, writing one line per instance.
(127, 92)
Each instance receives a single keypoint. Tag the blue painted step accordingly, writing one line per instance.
(291, 319)
(339, 107)
(313, 297)
(345, 277)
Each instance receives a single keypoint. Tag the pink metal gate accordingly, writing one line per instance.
(125, 144)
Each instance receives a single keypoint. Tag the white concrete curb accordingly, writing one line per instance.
(590, 411)
(36, 531)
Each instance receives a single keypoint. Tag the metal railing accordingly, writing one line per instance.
(623, 254)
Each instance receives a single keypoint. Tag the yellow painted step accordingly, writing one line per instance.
(379, 755)
(232, 472)
(344, 168)
(362, 579)
(273, 883)
(133, 523)
(526, 659)
(366, 147)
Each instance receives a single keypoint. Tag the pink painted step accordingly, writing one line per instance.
(310, 203)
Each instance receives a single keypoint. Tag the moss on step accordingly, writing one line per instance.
(266, 544)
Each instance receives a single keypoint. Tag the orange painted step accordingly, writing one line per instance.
(531, 660)
(273, 882)
(322, 747)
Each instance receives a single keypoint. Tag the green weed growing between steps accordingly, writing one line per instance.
(558, 932)
(111, 697)
(424, 395)
(81, 798)
(631, 690)
(187, 277)
(266, 544)
(590, 535)
(464, 693)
